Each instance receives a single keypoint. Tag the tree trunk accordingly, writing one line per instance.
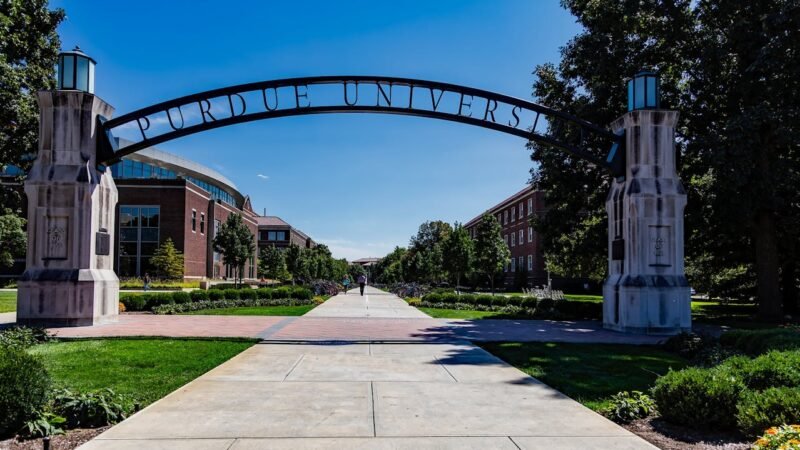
(770, 303)
(791, 296)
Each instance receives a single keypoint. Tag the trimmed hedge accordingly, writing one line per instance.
(520, 306)
(757, 342)
(24, 389)
(147, 302)
(775, 369)
(758, 411)
(699, 397)
(218, 304)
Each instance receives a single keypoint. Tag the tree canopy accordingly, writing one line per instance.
(236, 243)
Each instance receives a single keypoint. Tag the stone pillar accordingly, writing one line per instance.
(646, 290)
(69, 278)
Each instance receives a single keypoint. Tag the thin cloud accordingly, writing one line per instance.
(262, 176)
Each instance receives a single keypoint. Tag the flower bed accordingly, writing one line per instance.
(218, 304)
(516, 305)
(151, 302)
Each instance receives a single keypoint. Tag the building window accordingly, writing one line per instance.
(217, 256)
(499, 218)
(505, 217)
(513, 239)
(194, 220)
(521, 267)
(530, 262)
(138, 238)
(530, 234)
(505, 238)
(521, 210)
(513, 265)
(521, 237)
(530, 206)
(513, 214)
(202, 223)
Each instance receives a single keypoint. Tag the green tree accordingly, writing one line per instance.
(458, 252)
(390, 268)
(424, 262)
(293, 260)
(167, 260)
(29, 47)
(236, 244)
(13, 237)
(272, 264)
(491, 252)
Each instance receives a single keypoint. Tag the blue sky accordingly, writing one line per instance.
(360, 183)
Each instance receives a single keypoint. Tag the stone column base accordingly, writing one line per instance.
(653, 304)
(84, 297)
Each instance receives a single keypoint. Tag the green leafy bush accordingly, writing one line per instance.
(699, 397)
(230, 294)
(758, 411)
(215, 294)
(91, 409)
(433, 298)
(281, 292)
(450, 297)
(160, 298)
(629, 406)
(264, 293)
(484, 299)
(20, 338)
(500, 301)
(43, 424)
(775, 369)
(199, 295)
(181, 297)
(134, 302)
(468, 299)
(757, 342)
(216, 304)
(545, 305)
(24, 388)
(247, 294)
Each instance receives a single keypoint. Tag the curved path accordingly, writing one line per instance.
(360, 394)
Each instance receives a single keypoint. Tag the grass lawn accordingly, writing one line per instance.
(142, 369)
(459, 313)
(589, 373)
(256, 311)
(8, 301)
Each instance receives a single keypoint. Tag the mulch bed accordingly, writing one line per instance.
(667, 436)
(73, 439)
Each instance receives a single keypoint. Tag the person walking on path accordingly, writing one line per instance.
(362, 281)
(346, 283)
(146, 282)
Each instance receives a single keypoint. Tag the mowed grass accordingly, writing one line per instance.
(256, 311)
(589, 373)
(144, 370)
(459, 313)
(8, 301)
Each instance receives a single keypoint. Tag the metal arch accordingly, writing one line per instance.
(107, 151)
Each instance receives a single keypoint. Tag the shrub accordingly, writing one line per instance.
(515, 300)
(449, 298)
(199, 295)
(629, 406)
(281, 292)
(698, 397)
(216, 294)
(162, 298)
(484, 299)
(301, 293)
(687, 345)
(779, 438)
(758, 411)
(775, 369)
(24, 385)
(468, 299)
(181, 297)
(500, 301)
(20, 338)
(248, 294)
(216, 304)
(91, 409)
(529, 302)
(134, 302)
(545, 305)
(757, 342)
(121, 307)
(231, 294)
(433, 298)
(413, 301)
(264, 293)
(43, 424)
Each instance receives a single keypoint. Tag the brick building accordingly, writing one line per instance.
(272, 230)
(514, 213)
(162, 196)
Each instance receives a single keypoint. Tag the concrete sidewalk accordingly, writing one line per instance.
(374, 303)
(366, 396)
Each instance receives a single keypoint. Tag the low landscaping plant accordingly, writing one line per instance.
(149, 302)
(757, 342)
(758, 411)
(20, 338)
(199, 295)
(91, 409)
(629, 406)
(524, 307)
(775, 369)
(24, 389)
(218, 304)
(43, 424)
(785, 437)
(699, 397)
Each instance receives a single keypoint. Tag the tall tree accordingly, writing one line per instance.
(13, 237)
(167, 260)
(29, 47)
(491, 252)
(236, 244)
(458, 252)
(272, 264)
(293, 260)
(424, 262)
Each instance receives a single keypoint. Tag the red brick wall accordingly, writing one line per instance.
(196, 242)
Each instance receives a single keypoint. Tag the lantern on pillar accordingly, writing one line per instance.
(644, 91)
(75, 71)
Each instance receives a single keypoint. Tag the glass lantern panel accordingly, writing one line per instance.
(638, 86)
(82, 79)
(60, 72)
(91, 78)
(630, 95)
(69, 72)
(652, 98)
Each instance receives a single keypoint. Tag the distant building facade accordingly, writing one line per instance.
(526, 267)
(274, 231)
